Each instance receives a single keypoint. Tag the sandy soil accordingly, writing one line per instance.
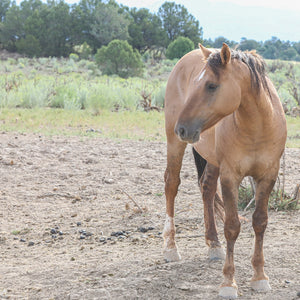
(69, 229)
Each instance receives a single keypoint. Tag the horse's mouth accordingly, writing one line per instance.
(196, 136)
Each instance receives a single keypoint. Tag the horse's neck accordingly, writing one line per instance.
(255, 113)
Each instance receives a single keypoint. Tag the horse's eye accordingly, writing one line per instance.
(211, 87)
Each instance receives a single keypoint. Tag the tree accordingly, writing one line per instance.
(12, 28)
(57, 24)
(145, 30)
(249, 45)
(108, 25)
(179, 47)
(118, 57)
(271, 48)
(29, 46)
(4, 6)
(177, 21)
(218, 43)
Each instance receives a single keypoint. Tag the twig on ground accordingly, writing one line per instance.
(140, 209)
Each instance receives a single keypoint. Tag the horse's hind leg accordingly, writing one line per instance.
(207, 179)
(175, 152)
(260, 281)
(208, 185)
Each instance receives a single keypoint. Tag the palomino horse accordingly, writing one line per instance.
(223, 103)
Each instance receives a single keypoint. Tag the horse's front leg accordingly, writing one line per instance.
(208, 185)
(260, 281)
(175, 152)
(231, 230)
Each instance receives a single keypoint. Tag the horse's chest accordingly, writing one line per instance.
(252, 163)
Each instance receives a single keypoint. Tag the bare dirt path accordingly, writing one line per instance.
(69, 230)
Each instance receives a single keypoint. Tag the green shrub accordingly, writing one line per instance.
(84, 50)
(119, 58)
(74, 56)
(179, 47)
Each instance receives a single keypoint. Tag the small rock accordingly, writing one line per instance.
(145, 166)
(298, 294)
(22, 240)
(82, 237)
(109, 180)
(102, 239)
(53, 231)
(72, 258)
(78, 223)
(30, 244)
(183, 288)
(151, 228)
(88, 233)
(124, 173)
(287, 281)
(117, 233)
(142, 229)
(135, 239)
(60, 233)
(54, 236)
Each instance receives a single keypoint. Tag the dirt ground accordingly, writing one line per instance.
(70, 229)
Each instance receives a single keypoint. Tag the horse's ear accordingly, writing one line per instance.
(225, 54)
(206, 52)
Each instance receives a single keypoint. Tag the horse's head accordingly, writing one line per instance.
(214, 94)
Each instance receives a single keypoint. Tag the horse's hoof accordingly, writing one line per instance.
(261, 286)
(216, 253)
(228, 292)
(171, 255)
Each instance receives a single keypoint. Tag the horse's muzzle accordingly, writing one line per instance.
(188, 134)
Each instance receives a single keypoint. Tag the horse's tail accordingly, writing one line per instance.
(218, 202)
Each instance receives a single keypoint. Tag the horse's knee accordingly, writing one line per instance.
(209, 185)
(259, 221)
(232, 228)
(171, 179)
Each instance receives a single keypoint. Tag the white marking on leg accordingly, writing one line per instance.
(169, 226)
(170, 249)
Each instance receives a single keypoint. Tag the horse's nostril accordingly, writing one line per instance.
(181, 131)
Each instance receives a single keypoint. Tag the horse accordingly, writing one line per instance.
(223, 103)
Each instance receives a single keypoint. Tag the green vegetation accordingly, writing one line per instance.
(122, 125)
(119, 58)
(278, 199)
(179, 47)
(30, 83)
(81, 98)
(38, 29)
(54, 28)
